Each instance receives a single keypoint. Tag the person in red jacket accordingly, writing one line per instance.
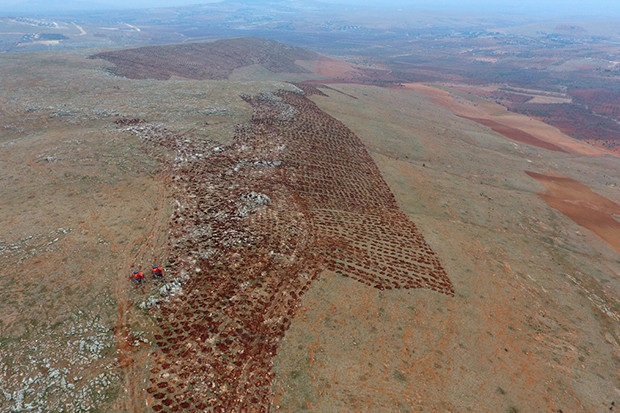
(158, 272)
(138, 277)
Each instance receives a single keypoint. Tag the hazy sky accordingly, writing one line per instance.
(603, 8)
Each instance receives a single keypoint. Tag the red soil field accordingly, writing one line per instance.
(577, 121)
(592, 116)
(582, 205)
(509, 124)
(600, 101)
(516, 134)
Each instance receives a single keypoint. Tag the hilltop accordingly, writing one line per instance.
(212, 60)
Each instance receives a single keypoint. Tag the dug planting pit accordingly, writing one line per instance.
(323, 206)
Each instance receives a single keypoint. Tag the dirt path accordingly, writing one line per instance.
(134, 249)
(152, 251)
(80, 28)
(83, 215)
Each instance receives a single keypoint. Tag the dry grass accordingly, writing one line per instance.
(517, 320)
(85, 200)
(82, 204)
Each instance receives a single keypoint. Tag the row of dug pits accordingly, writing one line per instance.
(254, 224)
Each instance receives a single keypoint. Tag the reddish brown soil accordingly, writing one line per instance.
(493, 112)
(329, 209)
(516, 134)
(592, 116)
(216, 60)
(582, 205)
(578, 121)
(332, 68)
(600, 101)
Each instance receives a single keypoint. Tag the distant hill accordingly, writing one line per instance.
(213, 60)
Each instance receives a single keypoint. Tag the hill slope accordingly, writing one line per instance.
(215, 60)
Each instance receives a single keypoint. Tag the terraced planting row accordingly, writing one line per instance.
(352, 205)
(255, 223)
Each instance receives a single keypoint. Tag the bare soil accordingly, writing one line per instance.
(514, 125)
(328, 209)
(516, 134)
(534, 321)
(351, 248)
(332, 68)
(582, 205)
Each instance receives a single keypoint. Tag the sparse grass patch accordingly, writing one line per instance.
(398, 375)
